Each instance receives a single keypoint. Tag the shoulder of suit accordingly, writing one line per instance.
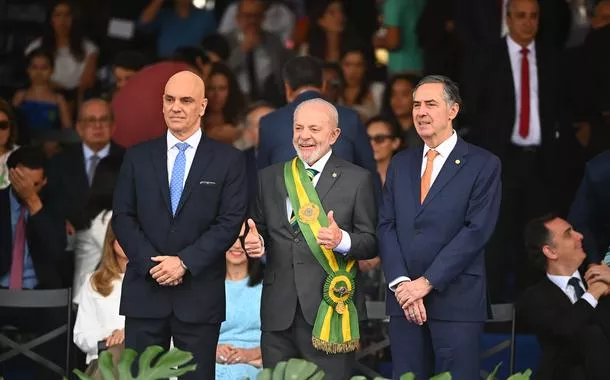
(601, 161)
(477, 151)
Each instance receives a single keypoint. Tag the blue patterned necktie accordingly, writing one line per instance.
(177, 182)
(575, 283)
(311, 173)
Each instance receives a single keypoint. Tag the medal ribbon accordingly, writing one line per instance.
(336, 327)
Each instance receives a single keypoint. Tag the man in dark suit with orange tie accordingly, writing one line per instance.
(440, 205)
(179, 204)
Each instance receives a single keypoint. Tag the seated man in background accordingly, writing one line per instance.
(570, 318)
(32, 242)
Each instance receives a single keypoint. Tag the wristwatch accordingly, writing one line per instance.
(428, 282)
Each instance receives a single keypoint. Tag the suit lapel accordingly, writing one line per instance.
(159, 160)
(328, 177)
(415, 174)
(281, 204)
(558, 294)
(81, 166)
(203, 157)
(453, 164)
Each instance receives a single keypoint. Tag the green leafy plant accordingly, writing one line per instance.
(170, 364)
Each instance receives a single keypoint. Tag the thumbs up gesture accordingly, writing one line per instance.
(253, 243)
(330, 237)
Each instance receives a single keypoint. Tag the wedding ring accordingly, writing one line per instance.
(222, 358)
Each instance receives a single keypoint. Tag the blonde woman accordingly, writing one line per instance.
(98, 315)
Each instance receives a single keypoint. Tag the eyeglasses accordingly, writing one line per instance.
(5, 124)
(379, 139)
(104, 120)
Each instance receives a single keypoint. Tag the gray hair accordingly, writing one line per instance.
(451, 91)
(86, 103)
(331, 109)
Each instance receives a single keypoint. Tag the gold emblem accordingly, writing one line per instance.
(340, 308)
(308, 213)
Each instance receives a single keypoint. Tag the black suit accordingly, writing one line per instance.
(68, 179)
(212, 208)
(574, 337)
(527, 174)
(294, 279)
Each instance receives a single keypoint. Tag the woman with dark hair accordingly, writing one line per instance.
(327, 31)
(238, 354)
(8, 137)
(98, 212)
(398, 106)
(357, 90)
(226, 103)
(75, 56)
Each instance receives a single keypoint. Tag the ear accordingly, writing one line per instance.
(453, 111)
(204, 105)
(395, 143)
(334, 135)
(289, 93)
(549, 253)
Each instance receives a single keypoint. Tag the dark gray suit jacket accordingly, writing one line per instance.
(292, 272)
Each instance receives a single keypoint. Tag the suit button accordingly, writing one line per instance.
(296, 240)
(172, 230)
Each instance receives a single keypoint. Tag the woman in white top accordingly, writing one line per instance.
(75, 56)
(98, 315)
(88, 242)
(8, 135)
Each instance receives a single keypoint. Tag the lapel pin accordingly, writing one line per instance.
(458, 162)
(334, 175)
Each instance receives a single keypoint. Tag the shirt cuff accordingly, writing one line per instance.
(392, 285)
(345, 244)
(590, 299)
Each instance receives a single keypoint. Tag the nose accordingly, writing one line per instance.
(578, 235)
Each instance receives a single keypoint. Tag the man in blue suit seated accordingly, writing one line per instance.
(590, 211)
(439, 207)
(303, 80)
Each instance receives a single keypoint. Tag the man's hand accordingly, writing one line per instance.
(410, 291)
(223, 351)
(169, 270)
(117, 337)
(598, 272)
(26, 189)
(416, 313)
(330, 237)
(241, 355)
(367, 265)
(252, 242)
(598, 289)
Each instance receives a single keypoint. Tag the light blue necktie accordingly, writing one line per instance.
(177, 182)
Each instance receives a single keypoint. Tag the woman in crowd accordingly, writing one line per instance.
(89, 242)
(98, 315)
(42, 109)
(225, 104)
(384, 135)
(75, 56)
(327, 31)
(398, 107)
(238, 354)
(8, 136)
(357, 91)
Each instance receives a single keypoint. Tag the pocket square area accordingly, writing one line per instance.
(209, 183)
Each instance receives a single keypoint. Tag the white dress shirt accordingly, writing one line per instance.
(562, 283)
(514, 52)
(88, 153)
(346, 241)
(444, 149)
(172, 153)
(97, 317)
(88, 245)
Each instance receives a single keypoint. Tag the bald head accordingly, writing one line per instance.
(184, 104)
(316, 128)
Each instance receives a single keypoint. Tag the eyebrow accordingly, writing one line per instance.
(567, 231)
(427, 101)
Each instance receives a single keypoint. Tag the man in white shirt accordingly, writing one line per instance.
(570, 316)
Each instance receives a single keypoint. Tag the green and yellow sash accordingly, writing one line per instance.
(336, 326)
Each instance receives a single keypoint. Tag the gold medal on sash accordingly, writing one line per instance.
(308, 213)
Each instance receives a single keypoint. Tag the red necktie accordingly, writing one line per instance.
(524, 117)
(16, 280)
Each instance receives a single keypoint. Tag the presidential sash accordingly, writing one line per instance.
(336, 326)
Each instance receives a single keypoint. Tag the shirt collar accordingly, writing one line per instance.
(320, 164)
(515, 49)
(444, 149)
(562, 281)
(193, 141)
(88, 152)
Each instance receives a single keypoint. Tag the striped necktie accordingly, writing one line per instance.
(311, 173)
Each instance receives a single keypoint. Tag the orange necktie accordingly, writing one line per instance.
(425, 179)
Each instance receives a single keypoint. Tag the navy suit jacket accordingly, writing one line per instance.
(443, 238)
(207, 222)
(275, 144)
(590, 211)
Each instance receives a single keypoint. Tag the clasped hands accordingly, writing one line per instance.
(169, 271)
(410, 295)
(228, 354)
(598, 275)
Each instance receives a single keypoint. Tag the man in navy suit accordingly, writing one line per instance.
(440, 204)
(179, 204)
(303, 80)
